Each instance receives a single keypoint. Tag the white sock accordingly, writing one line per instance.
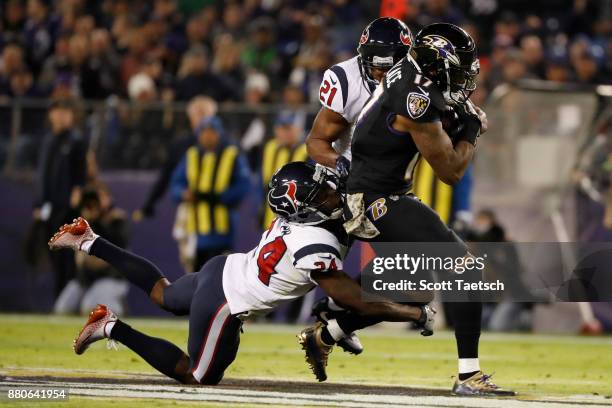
(86, 246)
(108, 327)
(468, 365)
(334, 330)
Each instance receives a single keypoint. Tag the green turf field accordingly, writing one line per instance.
(532, 364)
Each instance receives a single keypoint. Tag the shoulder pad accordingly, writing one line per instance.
(412, 94)
(333, 92)
(313, 248)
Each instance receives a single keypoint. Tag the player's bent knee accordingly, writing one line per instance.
(157, 293)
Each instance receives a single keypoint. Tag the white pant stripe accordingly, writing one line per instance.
(211, 340)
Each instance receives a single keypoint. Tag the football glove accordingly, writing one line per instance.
(451, 123)
(343, 166)
(471, 123)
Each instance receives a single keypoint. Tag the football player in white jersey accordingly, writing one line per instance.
(347, 86)
(304, 247)
(344, 91)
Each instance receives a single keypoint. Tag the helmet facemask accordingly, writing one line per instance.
(317, 203)
(461, 83)
(382, 63)
(320, 205)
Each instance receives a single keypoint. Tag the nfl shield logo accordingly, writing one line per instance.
(417, 104)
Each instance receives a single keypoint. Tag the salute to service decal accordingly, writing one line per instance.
(417, 104)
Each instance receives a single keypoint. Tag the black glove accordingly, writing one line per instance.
(471, 123)
(343, 166)
(451, 123)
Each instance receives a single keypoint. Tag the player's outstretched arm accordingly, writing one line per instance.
(328, 126)
(347, 294)
(448, 162)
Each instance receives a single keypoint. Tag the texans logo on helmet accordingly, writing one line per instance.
(284, 203)
(405, 38)
(364, 36)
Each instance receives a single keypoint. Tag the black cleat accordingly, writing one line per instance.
(350, 344)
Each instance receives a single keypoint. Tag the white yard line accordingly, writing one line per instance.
(219, 394)
(142, 375)
(92, 373)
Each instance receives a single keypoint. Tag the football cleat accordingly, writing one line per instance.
(316, 351)
(350, 344)
(480, 384)
(426, 322)
(93, 330)
(322, 312)
(73, 235)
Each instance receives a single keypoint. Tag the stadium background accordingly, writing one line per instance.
(543, 169)
(132, 66)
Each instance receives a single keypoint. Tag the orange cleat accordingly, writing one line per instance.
(73, 235)
(94, 329)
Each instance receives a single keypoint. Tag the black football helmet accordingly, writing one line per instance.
(447, 55)
(383, 43)
(296, 193)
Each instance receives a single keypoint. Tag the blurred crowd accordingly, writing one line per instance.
(140, 57)
(203, 53)
(250, 50)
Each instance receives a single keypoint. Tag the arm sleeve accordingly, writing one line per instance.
(333, 92)
(179, 180)
(241, 182)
